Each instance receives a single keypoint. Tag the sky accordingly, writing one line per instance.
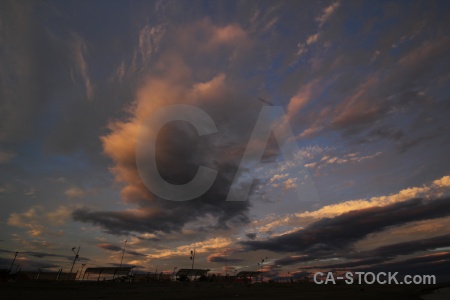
(334, 114)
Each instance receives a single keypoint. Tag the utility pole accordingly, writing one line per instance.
(226, 263)
(262, 265)
(173, 273)
(12, 264)
(82, 266)
(192, 258)
(123, 253)
(74, 260)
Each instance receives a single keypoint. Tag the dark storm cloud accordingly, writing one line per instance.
(251, 235)
(134, 253)
(151, 239)
(179, 149)
(26, 264)
(223, 259)
(436, 264)
(110, 247)
(384, 132)
(431, 264)
(333, 235)
(126, 265)
(116, 248)
(290, 260)
(351, 264)
(382, 255)
(167, 216)
(44, 254)
(404, 248)
(409, 143)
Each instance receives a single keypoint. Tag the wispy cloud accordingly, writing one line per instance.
(74, 192)
(327, 13)
(79, 50)
(38, 221)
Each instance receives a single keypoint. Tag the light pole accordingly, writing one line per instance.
(74, 260)
(261, 265)
(192, 258)
(123, 253)
(82, 266)
(12, 264)
(226, 263)
(173, 273)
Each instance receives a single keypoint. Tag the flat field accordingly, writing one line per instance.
(205, 290)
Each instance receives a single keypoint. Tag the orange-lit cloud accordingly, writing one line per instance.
(437, 188)
(38, 221)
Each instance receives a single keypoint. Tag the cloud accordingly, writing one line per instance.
(408, 247)
(351, 89)
(27, 264)
(221, 258)
(359, 108)
(327, 13)
(327, 235)
(28, 220)
(272, 223)
(290, 260)
(443, 182)
(429, 50)
(430, 190)
(434, 263)
(251, 235)
(180, 151)
(349, 158)
(380, 104)
(380, 255)
(58, 216)
(214, 244)
(74, 192)
(304, 95)
(80, 51)
(149, 39)
(23, 257)
(110, 247)
(312, 39)
(290, 183)
(38, 221)
(321, 19)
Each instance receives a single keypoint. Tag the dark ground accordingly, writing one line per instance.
(177, 290)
